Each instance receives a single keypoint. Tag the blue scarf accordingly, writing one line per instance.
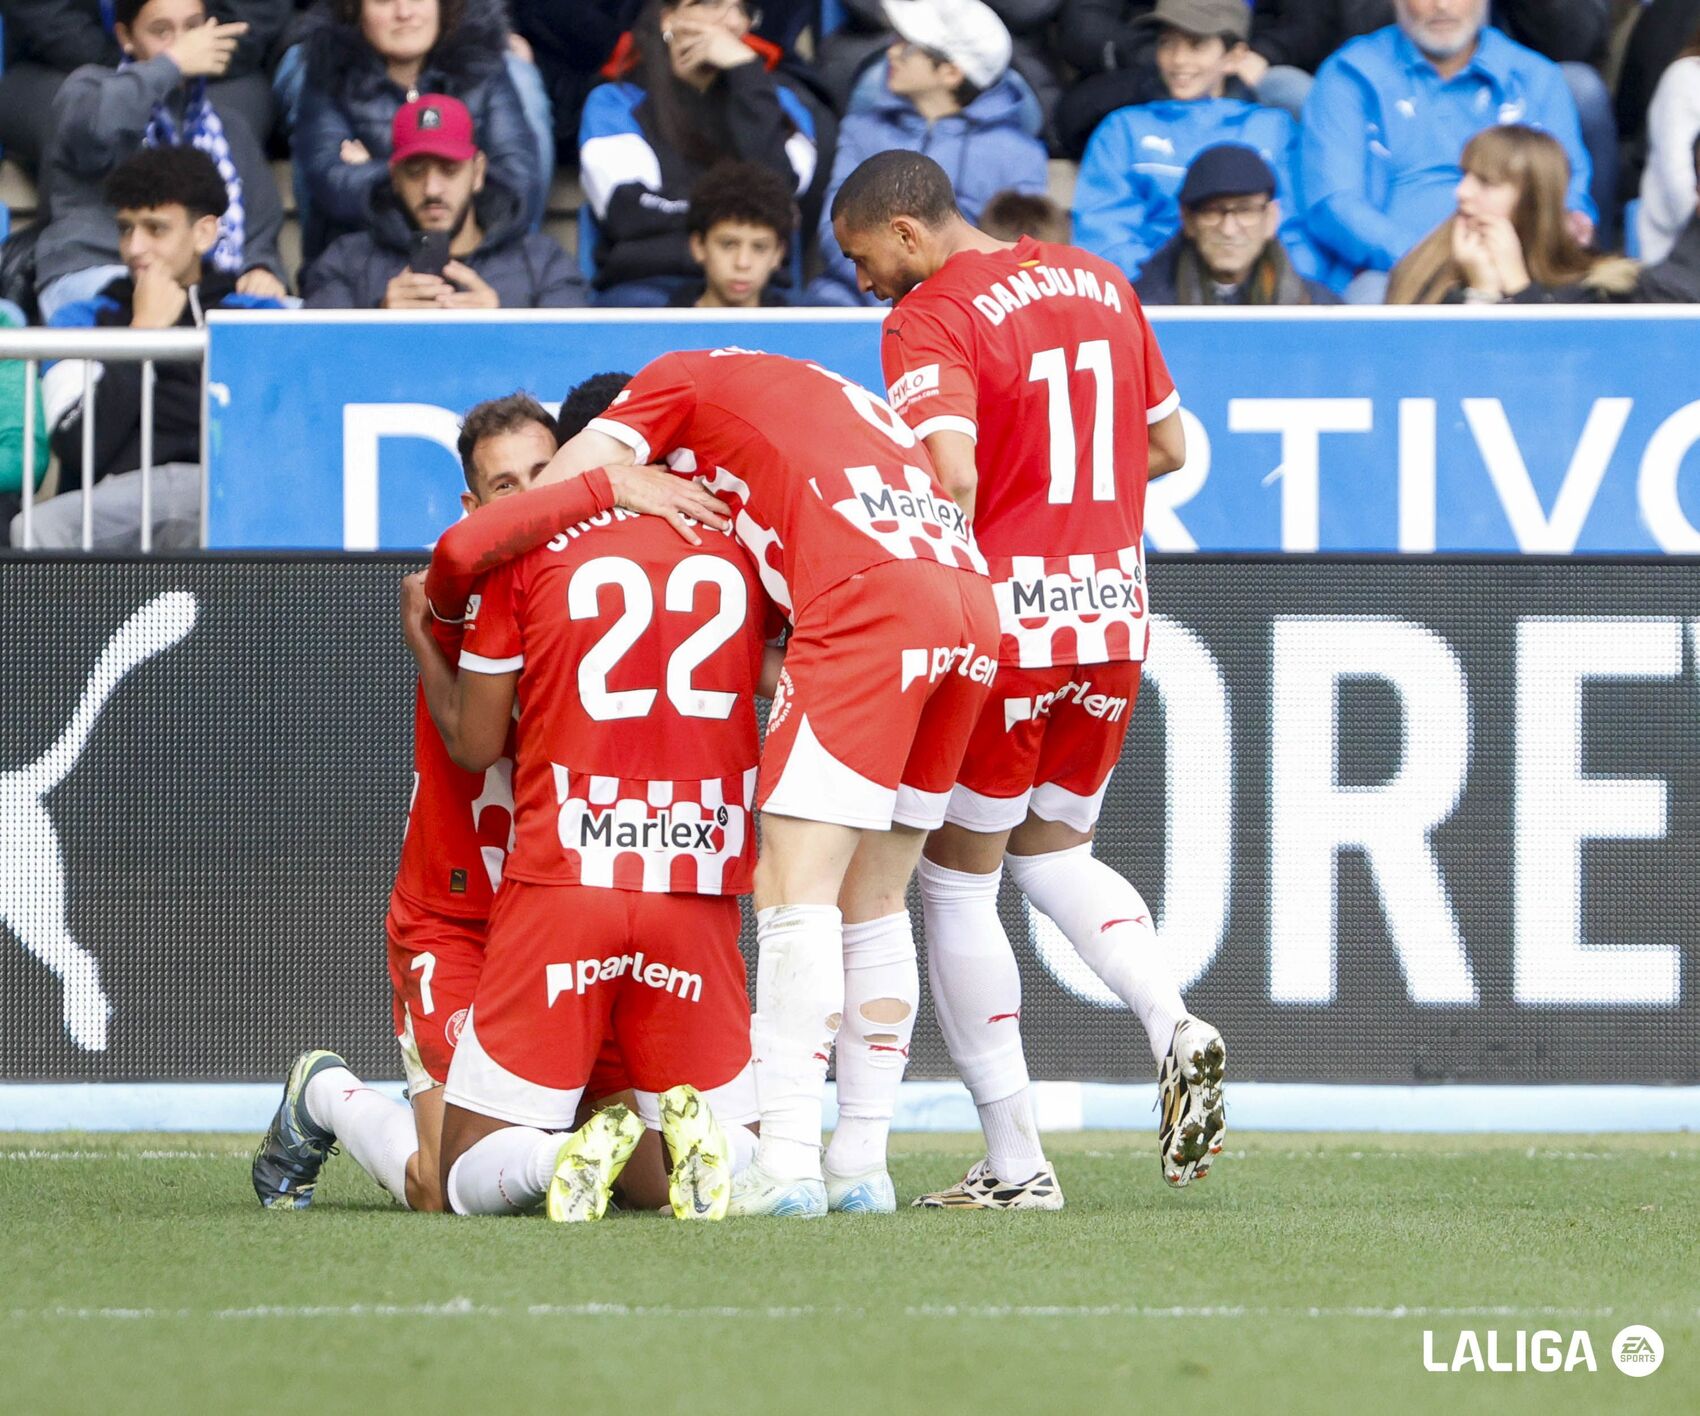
(202, 129)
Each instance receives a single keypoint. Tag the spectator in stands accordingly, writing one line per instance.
(156, 98)
(867, 34)
(740, 225)
(1509, 240)
(1667, 183)
(12, 386)
(570, 43)
(1124, 201)
(1662, 30)
(169, 202)
(948, 95)
(47, 39)
(1227, 251)
(698, 89)
(363, 60)
(1011, 215)
(1676, 279)
(1114, 52)
(440, 182)
(1388, 116)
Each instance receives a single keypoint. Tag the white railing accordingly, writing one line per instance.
(147, 347)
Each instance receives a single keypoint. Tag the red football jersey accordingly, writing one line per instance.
(824, 480)
(638, 658)
(459, 823)
(1042, 354)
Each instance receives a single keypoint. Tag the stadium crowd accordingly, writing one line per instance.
(1216, 151)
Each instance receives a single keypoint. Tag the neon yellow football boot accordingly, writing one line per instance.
(589, 1162)
(701, 1184)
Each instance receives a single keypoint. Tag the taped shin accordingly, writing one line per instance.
(799, 1004)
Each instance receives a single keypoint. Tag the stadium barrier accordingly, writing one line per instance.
(1403, 821)
(1541, 430)
(146, 347)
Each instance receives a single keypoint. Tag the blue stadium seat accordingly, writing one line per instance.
(1631, 229)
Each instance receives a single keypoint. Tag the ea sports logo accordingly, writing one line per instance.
(1637, 1350)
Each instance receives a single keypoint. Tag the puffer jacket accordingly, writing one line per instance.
(99, 117)
(1126, 202)
(527, 270)
(638, 188)
(347, 94)
(984, 149)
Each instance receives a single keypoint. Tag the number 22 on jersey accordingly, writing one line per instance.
(637, 615)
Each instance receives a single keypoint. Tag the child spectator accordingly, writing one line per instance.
(1508, 240)
(156, 98)
(1125, 204)
(440, 182)
(740, 224)
(1011, 215)
(697, 88)
(947, 95)
(47, 39)
(168, 202)
(364, 59)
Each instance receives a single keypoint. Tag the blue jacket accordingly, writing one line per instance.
(984, 150)
(1126, 201)
(1383, 134)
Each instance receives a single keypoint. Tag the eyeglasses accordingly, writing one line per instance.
(1242, 214)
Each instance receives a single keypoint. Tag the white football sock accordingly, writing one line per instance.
(377, 1132)
(977, 996)
(741, 1141)
(507, 1172)
(1110, 926)
(879, 976)
(975, 981)
(1012, 1137)
(799, 1004)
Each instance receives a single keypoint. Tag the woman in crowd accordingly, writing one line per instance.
(364, 59)
(1509, 241)
(697, 88)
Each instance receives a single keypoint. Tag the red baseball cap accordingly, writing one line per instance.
(434, 125)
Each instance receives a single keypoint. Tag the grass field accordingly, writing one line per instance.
(140, 1276)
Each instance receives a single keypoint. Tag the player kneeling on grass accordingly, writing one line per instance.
(637, 659)
(458, 828)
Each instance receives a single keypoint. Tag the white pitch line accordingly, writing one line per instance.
(466, 1308)
(1236, 1156)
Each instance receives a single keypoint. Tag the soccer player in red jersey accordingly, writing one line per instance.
(891, 654)
(636, 659)
(457, 835)
(1033, 376)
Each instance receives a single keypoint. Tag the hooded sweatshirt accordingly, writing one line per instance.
(527, 270)
(983, 149)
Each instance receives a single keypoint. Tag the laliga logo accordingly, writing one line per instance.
(1636, 1351)
(32, 861)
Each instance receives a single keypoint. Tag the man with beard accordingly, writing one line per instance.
(444, 235)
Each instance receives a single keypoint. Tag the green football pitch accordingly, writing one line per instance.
(139, 1275)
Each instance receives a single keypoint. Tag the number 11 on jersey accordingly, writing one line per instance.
(1050, 367)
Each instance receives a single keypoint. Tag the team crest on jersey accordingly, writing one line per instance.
(455, 1026)
(781, 702)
